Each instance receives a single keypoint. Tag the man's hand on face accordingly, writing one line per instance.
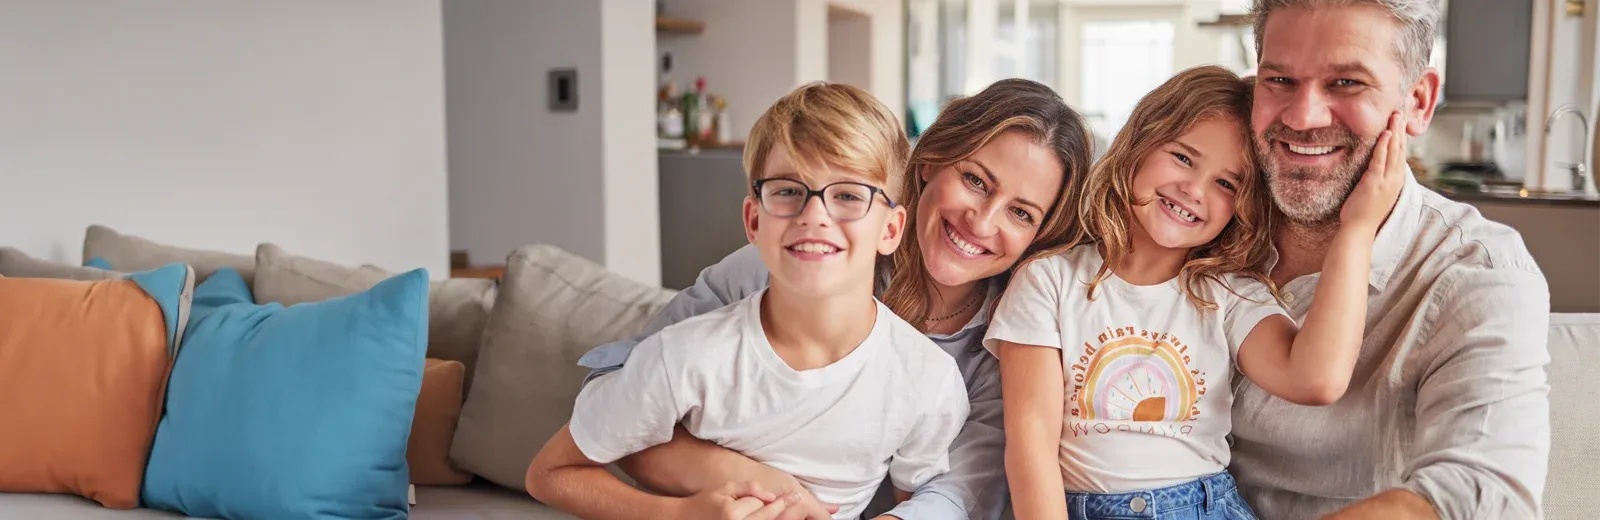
(1375, 194)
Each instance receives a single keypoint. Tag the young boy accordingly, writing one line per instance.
(813, 375)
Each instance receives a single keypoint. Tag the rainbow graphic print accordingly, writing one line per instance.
(1135, 375)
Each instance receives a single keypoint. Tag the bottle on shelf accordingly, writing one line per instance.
(704, 113)
(669, 118)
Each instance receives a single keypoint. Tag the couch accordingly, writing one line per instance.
(552, 306)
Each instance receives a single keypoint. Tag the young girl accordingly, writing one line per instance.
(1116, 350)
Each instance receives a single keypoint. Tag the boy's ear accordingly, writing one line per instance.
(752, 218)
(894, 230)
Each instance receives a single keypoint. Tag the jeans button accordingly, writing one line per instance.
(1137, 504)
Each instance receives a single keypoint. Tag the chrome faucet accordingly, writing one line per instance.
(1578, 169)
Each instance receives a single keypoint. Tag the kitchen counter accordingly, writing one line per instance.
(1514, 195)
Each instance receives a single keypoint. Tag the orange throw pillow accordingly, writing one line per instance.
(83, 370)
(438, 408)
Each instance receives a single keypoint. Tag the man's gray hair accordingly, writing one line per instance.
(1418, 26)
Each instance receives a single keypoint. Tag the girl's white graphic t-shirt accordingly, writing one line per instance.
(1146, 371)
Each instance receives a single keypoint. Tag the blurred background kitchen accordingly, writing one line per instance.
(1513, 135)
(399, 132)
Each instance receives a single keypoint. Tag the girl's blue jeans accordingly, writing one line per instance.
(1213, 497)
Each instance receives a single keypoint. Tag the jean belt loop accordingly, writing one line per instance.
(1209, 489)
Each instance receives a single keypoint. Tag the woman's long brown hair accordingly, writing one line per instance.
(1207, 93)
(964, 126)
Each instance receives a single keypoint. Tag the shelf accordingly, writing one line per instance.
(486, 271)
(1229, 20)
(675, 25)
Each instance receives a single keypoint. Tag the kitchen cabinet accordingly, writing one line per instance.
(1487, 50)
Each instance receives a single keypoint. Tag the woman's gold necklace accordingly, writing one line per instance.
(977, 294)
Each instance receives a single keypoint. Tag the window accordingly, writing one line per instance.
(1235, 6)
(1122, 60)
(959, 47)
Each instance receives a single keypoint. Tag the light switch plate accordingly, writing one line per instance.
(564, 90)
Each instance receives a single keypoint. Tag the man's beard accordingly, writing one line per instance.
(1308, 195)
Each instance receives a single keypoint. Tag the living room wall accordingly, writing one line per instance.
(522, 172)
(316, 125)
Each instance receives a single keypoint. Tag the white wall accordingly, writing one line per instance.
(811, 40)
(316, 125)
(631, 184)
(887, 47)
(521, 173)
(850, 51)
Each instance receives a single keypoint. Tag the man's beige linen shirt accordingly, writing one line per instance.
(1449, 397)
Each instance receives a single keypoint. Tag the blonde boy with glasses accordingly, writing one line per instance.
(813, 375)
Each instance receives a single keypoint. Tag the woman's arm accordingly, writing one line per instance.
(563, 478)
(1032, 380)
(687, 465)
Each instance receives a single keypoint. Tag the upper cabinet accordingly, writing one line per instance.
(1487, 43)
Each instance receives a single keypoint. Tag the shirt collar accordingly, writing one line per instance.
(1393, 238)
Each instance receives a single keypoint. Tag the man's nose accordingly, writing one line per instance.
(1309, 110)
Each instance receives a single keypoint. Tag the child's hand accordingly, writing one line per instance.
(735, 501)
(1375, 194)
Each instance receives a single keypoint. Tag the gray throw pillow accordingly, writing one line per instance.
(16, 264)
(130, 254)
(458, 308)
(553, 306)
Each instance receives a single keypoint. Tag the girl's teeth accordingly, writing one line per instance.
(1311, 150)
(1179, 210)
(963, 245)
(814, 247)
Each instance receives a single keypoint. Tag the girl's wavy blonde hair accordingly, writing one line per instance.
(1105, 209)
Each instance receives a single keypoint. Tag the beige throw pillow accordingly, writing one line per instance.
(129, 254)
(458, 308)
(16, 264)
(553, 306)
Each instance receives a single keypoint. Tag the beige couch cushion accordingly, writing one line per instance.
(458, 309)
(480, 502)
(1571, 490)
(129, 254)
(474, 502)
(16, 264)
(553, 307)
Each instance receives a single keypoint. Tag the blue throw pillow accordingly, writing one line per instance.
(98, 263)
(298, 412)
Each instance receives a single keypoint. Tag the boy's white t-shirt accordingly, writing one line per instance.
(1147, 373)
(892, 406)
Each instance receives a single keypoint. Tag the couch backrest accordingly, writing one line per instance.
(1570, 491)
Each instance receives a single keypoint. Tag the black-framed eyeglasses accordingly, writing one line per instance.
(844, 201)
